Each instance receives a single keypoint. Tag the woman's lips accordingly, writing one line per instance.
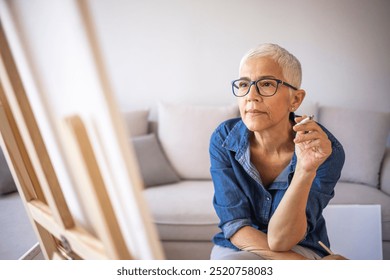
(254, 112)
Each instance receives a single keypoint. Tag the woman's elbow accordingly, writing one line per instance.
(283, 240)
(280, 244)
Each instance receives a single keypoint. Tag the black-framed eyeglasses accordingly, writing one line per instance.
(265, 86)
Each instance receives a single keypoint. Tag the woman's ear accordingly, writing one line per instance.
(297, 97)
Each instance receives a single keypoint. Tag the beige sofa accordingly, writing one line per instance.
(173, 156)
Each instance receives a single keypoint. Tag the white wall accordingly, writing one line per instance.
(188, 50)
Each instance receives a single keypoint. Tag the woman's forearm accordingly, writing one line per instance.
(252, 240)
(288, 224)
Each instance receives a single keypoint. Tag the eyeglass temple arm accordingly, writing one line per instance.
(287, 84)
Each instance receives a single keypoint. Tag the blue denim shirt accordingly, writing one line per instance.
(240, 199)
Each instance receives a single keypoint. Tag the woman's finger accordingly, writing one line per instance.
(309, 136)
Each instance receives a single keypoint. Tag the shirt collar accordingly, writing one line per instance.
(237, 141)
(238, 137)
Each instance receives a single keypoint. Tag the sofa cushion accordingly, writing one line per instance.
(184, 211)
(184, 132)
(363, 136)
(137, 122)
(154, 166)
(350, 193)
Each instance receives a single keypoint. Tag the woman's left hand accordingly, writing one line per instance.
(312, 145)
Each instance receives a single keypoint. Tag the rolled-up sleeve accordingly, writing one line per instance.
(230, 228)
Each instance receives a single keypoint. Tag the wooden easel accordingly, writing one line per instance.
(59, 235)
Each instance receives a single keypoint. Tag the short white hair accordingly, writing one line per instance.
(291, 67)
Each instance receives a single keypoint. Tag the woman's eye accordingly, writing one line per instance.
(267, 84)
(243, 85)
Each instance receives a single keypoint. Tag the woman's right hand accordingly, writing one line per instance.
(312, 145)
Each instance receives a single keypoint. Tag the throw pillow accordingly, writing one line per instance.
(137, 122)
(7, 184)
(184, 132)
(363, 135)
(154, 167)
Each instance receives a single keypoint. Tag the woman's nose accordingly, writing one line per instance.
(253, 94)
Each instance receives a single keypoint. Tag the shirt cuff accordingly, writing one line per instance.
(230, 228)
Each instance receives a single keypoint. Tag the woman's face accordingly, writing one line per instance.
(260, 113)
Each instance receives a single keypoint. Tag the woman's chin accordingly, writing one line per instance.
(252, 125)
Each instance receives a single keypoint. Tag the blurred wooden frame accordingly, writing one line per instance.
(60, 237)
(38, 183)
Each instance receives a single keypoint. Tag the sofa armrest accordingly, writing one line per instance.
(385, 173)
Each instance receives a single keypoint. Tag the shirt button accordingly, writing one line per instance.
(268, 198)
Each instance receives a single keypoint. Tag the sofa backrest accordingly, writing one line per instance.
(364, 136)
(184, 132)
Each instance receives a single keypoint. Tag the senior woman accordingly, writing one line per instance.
(272, 177)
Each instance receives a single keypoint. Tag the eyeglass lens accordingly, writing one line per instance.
(265, 87)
